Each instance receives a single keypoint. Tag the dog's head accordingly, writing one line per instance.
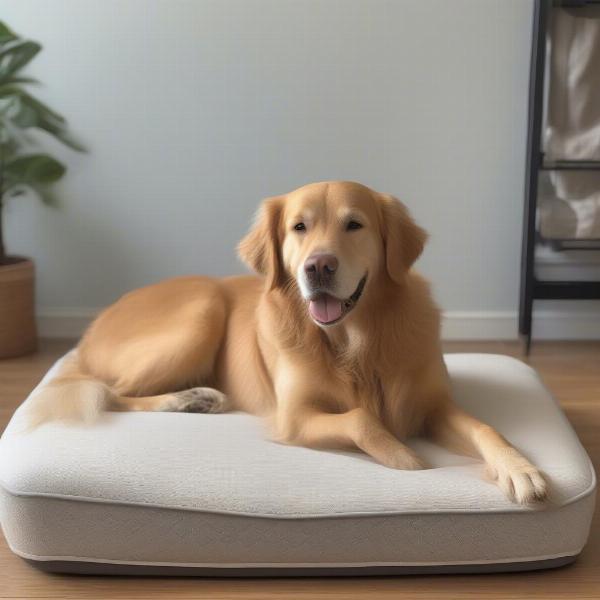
(335, 239)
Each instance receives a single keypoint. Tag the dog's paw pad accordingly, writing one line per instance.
(199, 400)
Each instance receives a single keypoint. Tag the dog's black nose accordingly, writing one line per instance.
(319, 268)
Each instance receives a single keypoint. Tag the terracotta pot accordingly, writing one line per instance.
(18, 333)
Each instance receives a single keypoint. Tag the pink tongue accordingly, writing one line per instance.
(325, 309)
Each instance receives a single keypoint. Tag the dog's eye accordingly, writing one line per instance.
(300, 227)
(353, 225)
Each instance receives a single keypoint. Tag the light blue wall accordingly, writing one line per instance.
(195, 110)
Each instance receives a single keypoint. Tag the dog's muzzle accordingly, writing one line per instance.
(326, 309)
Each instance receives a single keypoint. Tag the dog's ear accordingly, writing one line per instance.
(259, 249)
(403, 239)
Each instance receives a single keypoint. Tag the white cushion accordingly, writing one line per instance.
(194, 493)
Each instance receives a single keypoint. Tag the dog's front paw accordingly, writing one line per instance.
(405, 460)
(518, 478)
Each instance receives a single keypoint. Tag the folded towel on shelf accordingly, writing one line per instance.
(561, 219)
(556, 220)
(573, 121)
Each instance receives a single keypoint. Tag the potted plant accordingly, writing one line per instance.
(23, 170)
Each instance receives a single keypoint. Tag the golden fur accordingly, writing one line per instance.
(248, 343)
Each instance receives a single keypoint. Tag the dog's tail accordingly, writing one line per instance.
(71, 395)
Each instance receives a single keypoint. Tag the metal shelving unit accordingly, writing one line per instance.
(531, 287)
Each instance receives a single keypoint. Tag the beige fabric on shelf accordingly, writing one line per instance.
(556, 218)
(209, 490)
(573, 119)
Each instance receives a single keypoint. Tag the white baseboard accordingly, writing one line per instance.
(503, 325)
(479, 325)
(456, 325)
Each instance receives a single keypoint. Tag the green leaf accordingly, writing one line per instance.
(27, 98)
(26, 117)
(33, 170)
(8, 144)
(16, 55)
(6, 35)
(33, 113)
(15, 191)
(68, 139)
(44, 193)
(61, 132)
(13, 80)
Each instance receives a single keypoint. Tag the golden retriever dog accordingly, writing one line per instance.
(335, 342)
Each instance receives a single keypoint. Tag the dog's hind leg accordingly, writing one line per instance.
(139, 354)
(193, 400)
(157, 340)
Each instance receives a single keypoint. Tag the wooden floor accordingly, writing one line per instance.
(570, 370)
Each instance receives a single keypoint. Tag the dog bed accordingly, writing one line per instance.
(193, 494)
